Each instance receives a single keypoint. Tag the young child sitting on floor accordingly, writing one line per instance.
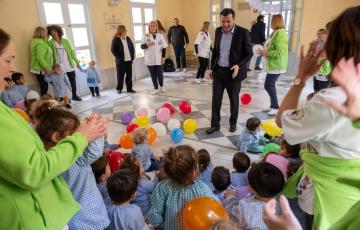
(60, 84)
(102, 172)
(122, 186)
(19, 80)
(145, 186)
(205, 167)
(250, 139)
(172, 194)
(142, 151)
(292, 153)
(92, 78)
(55, 124)
(241, 164)
(220, 179)
(267, 181)
(11, 95)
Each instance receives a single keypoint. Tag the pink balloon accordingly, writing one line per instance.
(279, 162)
(163, 115)
(143, 111)
(21, 105)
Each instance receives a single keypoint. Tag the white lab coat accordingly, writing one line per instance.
(152, 54)
(204, 44)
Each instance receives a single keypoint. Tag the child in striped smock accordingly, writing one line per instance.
(92, 78)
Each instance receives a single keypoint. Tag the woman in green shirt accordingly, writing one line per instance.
(32, 194)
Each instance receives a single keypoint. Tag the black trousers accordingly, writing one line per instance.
(157, 76)
(123, 68)
(319, 85)
(94, 90)
(202, 67)
(222, 79)
(180, 53)
(72, 78)
(44, 86)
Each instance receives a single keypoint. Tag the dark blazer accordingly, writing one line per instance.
(117, 49)
(240, 50)
(257, 33)
(177, 35)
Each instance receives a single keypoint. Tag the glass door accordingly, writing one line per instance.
(73, 17)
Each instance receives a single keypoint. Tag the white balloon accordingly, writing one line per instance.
(173, 124)
(160, 129)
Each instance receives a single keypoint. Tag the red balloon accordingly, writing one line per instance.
(131, 127)
(170, 107)
(245, 99)
(115, 160)
(185, 107)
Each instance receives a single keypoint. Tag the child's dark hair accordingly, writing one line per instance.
(292, 151)
(8, 80)
(132, 163)
(266, 179)
(241, 162)
(122, 185)
(99, 167)
(220, 178)
(16, 76)
(253, 123)
(180, 163)
(203, 158)
(52, 119)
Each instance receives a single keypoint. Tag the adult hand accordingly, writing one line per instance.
(235, 68)
(150, 44)
(262, 52)
(93, 129)
(287, 219)
(309, 64)
(211, 74)
(347, 75)
(185, 46)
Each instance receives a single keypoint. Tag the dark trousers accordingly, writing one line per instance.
(319, 85)
(271, 89)
(94, 90)
(123, 68)
(309, 219)
(44, 86)
(72, 78)
(180, 53)
(157, 77)
(202, 67)
(223, 80)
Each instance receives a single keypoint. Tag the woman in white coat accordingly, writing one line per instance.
(154, 47)
(202, 50)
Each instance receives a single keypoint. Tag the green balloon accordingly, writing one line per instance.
(271, 148)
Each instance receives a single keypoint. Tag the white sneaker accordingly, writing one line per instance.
(177, 70)
(155, 92)
(272, 112)
(184, 70)
(162, 89)
(204, 80)
(266, 110)
(197, 81)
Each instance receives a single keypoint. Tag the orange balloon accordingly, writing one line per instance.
(152, 135)
(126, 141)
(201, 213)
(22, 114)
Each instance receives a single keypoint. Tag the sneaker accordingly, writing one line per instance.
(162, 89)
(258, 68)
(93, 95)
(98, 95)
(266, 110)
(197, 81)
(155, 92)
(203, 80)
(272, 112)
(177, 70)
(184, 70)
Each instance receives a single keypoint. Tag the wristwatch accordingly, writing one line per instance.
(298, 82)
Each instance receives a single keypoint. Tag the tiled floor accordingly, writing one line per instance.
(179, 86)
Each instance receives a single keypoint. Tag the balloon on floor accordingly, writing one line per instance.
(271, 148)
(142, 121)
(22, 114)
(160, 129)
(170, 107)
(152, 135)
(270, 128)
(190, 126)
(126, 141)
(142, 111)
(163, 115)
(185, 107)
(177, 135)
(201, 213)
(173, 124)
(115, 160)
(126, 117)
(131, 127)
(245, 99)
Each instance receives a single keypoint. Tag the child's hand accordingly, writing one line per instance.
(157, 158)
(230, 193)
(157, 173)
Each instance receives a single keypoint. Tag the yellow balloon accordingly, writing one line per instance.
(270, 128)
(142, 121)
(190, 125)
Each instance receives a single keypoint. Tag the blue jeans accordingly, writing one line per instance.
(180, 53)
(271, 89)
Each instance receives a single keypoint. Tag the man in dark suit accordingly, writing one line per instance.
(257, 35)
(232, 50)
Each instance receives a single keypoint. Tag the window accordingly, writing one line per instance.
(216, 7)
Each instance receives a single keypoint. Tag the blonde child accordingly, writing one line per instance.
(172, 194)
(92, 78)
(60, 84)
(142, 151)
